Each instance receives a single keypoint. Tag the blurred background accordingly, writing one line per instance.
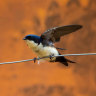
(22, 17)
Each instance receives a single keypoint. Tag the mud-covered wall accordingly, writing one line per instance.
(21, 17)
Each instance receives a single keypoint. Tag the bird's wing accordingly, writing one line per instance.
(53, 35)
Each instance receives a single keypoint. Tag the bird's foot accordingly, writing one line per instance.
(51, 56)
(35, 59)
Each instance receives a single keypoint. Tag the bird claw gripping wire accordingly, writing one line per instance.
(51, 56)
(35, 59)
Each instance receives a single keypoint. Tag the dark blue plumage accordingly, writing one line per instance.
(34, 38)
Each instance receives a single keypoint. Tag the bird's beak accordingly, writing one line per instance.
(24, 38)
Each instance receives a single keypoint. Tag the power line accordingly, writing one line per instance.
(82, 54)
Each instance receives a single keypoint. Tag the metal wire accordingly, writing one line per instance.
(81, 54)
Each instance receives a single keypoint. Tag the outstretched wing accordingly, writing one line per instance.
(54, 34)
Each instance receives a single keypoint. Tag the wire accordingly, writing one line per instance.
(82, 54)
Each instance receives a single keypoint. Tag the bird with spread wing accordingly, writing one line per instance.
(44, 45)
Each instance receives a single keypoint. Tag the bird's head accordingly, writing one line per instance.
(33, 38)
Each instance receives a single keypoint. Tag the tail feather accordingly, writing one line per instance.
(70, 61)
(63, 60)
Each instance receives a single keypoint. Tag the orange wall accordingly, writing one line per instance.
(21, 17)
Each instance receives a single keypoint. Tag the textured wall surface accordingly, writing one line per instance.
(21, 17)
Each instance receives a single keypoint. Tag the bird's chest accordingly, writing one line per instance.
(42, 51)
(46, 51)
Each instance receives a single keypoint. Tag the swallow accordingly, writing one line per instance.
(44, 45)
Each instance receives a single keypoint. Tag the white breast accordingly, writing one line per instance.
(42, 51)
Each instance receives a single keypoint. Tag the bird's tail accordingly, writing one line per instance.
(63, 60)
(70, 61)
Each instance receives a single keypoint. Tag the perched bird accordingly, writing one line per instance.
(44, 45)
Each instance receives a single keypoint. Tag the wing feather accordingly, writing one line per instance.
(55, 33)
